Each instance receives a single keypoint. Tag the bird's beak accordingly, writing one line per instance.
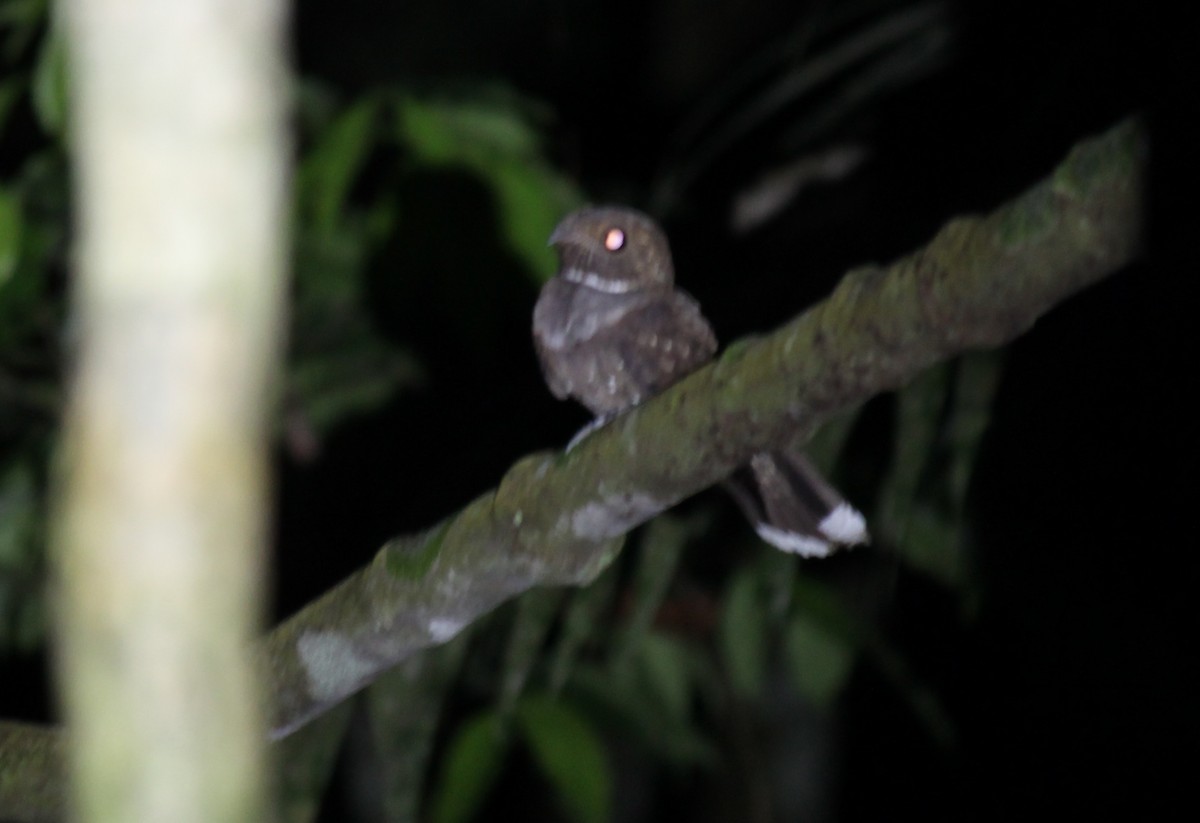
(563, 232)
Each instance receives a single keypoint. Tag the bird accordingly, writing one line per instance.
(612, 330)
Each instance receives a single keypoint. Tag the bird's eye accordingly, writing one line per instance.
(614, 239)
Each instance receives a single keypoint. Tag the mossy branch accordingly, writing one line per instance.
(559, 518)
(33, 783)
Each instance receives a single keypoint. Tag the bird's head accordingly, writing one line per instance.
(613, 249)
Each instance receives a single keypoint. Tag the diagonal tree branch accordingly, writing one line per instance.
(559, 519)
(33, 784)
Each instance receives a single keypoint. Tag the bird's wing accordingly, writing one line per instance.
(654, 340)
(664, 340)
(552, 334)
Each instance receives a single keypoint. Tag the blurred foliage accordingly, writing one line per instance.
(569, 753)
(832, 65)
(941, 419)
(340, 363)
(470, 768)
(404, 707)
(495, 136)
(655, 657)
(22, 615)
(33, 228)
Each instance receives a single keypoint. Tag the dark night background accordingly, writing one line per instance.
(1069, 687)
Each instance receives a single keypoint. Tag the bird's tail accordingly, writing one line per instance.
(792, 507)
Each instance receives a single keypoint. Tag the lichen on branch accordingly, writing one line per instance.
(559, 518)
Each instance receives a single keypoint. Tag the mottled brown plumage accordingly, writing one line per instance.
(611, 330)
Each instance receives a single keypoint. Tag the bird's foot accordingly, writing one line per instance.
(588, 429)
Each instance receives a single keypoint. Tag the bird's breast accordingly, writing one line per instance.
(568, 314)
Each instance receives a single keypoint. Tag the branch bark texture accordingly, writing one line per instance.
(558, 518)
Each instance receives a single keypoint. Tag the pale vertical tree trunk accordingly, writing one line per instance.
(179, 148)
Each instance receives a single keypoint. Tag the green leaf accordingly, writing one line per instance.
(50, 83)
(21, 20)
(818, 602)
(776, 572)
(358, 375)
(18, 516)
(493, 136)
(22, 606)
(977, 379)
(329, 271)
(827, 443)
(938, 436)
(24, 249)
(584, 619)
(328, 171)
(914, 479)
(742, 634)
(30, 622)
(665, 668)
(570, 755)
(919, 407)
(532, 198)
(10, 91)
(11, 225)
(655, 564)
(306, 761)
(469, 769)
(922, 700)
(405, 705)
(536, 613)
(621, 699)
(447, 130)
(932, 543)
(819, 662)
